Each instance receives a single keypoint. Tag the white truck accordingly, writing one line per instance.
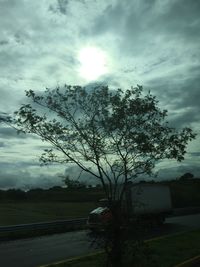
(146, 202)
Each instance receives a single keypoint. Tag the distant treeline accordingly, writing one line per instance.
(55, 193)
(185, 193)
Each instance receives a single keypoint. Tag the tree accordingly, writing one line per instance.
(114, 135)
(73, 184)
(187, 176)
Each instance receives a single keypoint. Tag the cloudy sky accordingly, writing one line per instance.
(46, 43)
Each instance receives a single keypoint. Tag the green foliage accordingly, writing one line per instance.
(187, 176)
(73, 184)
(139, 254)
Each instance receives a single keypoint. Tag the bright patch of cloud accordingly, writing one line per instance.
(93, 63)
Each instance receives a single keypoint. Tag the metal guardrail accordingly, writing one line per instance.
(44, 225)
(185, 211)
(78, 222)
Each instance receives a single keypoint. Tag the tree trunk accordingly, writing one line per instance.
(115, 238)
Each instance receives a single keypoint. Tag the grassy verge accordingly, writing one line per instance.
(93, 260)
(166, 252)
(175, 249)
(21, 213)
(12, 235)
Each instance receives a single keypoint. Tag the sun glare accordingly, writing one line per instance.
(93, 63)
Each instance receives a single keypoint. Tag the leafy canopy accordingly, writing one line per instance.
(115, 135)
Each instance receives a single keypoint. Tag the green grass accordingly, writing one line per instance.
(166, 252)
(175, 249)
(97, 260)
(20, 213)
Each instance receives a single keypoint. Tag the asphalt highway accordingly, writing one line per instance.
(34, 252)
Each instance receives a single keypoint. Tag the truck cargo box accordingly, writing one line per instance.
(150, 199)
(147, 203)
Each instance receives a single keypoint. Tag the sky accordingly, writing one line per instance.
(48, 43)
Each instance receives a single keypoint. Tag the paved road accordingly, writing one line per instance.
(186, 221)
(37, 251)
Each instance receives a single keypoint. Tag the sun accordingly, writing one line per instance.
(93, 63)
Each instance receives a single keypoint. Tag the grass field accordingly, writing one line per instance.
(20, 213)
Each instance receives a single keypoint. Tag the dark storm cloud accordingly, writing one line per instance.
(2, 144)
(181, 96)
(5, 117)
(177, 172)
(61, 6)
(20, 165)
(159, 30)
(4, 42)
(195, 154)
(139, 19)
(190, 95)
(19, 38)
(182, 18)
(10, 133)
(111, 20)
(8, 181)
(24, 180)
(75, 173)
(185, 118)
(125, 20)
(22, 175)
